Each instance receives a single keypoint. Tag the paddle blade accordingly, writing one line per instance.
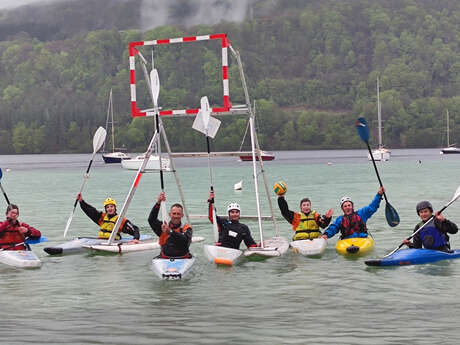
(205, 111)
(215, 227)
(391, 215)
(164, 214)
(363, 130)
(155, 85)
(69, 221)
(99, 139)
(1, 173)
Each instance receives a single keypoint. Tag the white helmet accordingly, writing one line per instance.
(345, 199)
(233, 206)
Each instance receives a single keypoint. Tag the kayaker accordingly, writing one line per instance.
(175, 238)
(13, 233)
(107, 219)
(434, 234)
(353, 223)
(305, 223)
(231, 231)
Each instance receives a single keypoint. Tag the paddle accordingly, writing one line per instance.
(3, 191)
(390, 212)
(98, 140)
(455, 198)
(155, 87)
(27, 241)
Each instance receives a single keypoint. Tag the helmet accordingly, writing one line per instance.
(110, 201)
(233, 206)
(345, 199)
(423, 204)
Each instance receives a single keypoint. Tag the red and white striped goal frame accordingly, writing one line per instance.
(225, 43)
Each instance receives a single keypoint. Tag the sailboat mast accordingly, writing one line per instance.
(111, 119)
(379, 114)
(447, 114)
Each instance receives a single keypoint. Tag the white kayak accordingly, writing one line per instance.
(78, 244)
(171, 268)
(313, 247)
(275, 246)
(222, 255)
(131, 247)
(20, 258)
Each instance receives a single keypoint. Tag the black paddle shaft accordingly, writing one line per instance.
(157, 123)
(376, 171)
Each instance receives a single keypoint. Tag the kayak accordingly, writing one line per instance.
(149, 244)
(20, 258)
(312, 247)
(172, 268)
(222, 255)
(355, 246)
(413, 257)
(78, 244)
(275, 246)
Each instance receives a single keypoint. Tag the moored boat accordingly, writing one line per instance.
(153, 163)
(20, 258)
(172, 268)
(312, 247)
(114, 157)
(420, 256)
(451, 148)
(266, 156)
(355, 246)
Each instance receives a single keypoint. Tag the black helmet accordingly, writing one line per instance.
(423, 204)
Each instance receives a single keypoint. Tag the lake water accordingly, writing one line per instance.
(116, 299)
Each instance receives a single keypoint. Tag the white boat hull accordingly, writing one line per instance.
(131, 247)
(172, 269)
(313, 247)
(20, 258)
(153, 163)
(222, 255)
(380, 155)
(79, 244)
(450, 150)
(275, 246)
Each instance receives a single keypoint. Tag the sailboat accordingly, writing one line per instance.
(114, 156)
(450, 148)
(381, 153)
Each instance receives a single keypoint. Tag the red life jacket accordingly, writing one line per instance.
(352, 224)
(12, 236)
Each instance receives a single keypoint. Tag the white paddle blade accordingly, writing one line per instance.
(99, 139)
(457, 194)
(215, 227)
(155, 85)
(205, 111)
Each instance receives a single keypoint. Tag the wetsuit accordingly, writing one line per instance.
(10, 235)
(231, 233)
(100, 217)
(175, 242)
(434, 235)
(306, 226)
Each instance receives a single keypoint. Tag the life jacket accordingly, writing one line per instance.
(107, 224)
(10, 237)
(165, 235)
(352, 224)
(305, 226)
(432, 238)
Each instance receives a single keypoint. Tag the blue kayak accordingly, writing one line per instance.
(413, 257)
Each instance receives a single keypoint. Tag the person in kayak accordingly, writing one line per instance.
(353, 223)
(231, 231)
(175, 238)
(13, 233)
(434, 234)
(305, 223)
(107, 219)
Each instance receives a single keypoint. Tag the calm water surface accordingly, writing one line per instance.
(112, 299)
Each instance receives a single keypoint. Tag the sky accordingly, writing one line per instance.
(16, 3)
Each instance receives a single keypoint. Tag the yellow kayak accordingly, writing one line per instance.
(355, 246)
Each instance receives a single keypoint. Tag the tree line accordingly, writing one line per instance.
(312, 71)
